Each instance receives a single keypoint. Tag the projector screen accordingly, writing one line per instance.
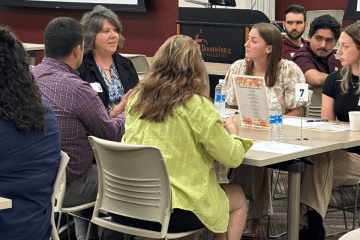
(115, 5)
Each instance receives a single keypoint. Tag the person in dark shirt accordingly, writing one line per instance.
(316, 58)
(340, 96)
(78, 109)
(294, 25)
(109, 74)
(30, 147)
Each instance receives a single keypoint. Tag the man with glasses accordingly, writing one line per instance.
(294, 26)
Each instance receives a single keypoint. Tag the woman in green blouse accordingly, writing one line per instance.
(170, 109)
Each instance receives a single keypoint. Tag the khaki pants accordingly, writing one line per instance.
(255, 182)
(331, 169)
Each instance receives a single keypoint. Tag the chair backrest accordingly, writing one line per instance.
(133, 182)
(140, 62)
(57, 197)
(308, 106)
(316, 101)
(311, 15)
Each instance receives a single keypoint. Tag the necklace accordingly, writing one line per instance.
(354, 87)
(105, 69)
(352, 82)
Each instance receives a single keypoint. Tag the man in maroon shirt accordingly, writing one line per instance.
(316, 58)
(294, 26)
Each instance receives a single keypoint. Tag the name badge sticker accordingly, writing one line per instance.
(96, 86)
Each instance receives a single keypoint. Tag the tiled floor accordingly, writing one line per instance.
(334, 221)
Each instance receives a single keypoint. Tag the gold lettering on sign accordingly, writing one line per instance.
(215, 52)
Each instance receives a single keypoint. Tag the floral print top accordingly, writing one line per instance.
(284, 89)
(115, 87)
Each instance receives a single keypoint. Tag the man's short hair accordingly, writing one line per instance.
(297, 9)
(62, 34)
(325, 22)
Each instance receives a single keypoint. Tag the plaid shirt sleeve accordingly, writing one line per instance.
(91, 111)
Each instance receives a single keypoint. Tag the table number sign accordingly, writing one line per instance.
(301, 92)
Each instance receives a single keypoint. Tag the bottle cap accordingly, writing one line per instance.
(221, 80)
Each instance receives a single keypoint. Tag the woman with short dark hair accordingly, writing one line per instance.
(110, 74)
(30, 147)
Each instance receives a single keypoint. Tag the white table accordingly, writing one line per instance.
(217, 68)
(354, 234)
(31, 49)
(5, 203)
(319, 141)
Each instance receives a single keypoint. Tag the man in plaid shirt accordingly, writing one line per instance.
(78, 109)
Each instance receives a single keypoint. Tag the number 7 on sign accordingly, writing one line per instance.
(302, 92)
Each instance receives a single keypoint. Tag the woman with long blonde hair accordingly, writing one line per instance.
(170, 109)
(340, 95)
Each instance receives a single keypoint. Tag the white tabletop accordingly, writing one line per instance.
(217, 68)
(319, 141)
(5, 203)
(33, 46)
(353, 235)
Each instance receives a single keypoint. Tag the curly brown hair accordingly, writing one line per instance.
(20, 100)
(177, 73)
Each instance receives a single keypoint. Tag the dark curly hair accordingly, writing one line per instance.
(20, 100)
(325, 22)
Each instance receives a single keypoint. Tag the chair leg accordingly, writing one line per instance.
(88, 231)
(227, 235)
(273, 197)
(268, 230)
(59, 221)
(343, 206)
(355, 206)
(276, 181)
(68, 226)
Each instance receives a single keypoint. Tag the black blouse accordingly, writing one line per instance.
(90, 72)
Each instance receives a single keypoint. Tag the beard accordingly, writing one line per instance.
(294, 34)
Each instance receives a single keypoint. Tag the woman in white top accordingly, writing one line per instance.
(263, 58)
